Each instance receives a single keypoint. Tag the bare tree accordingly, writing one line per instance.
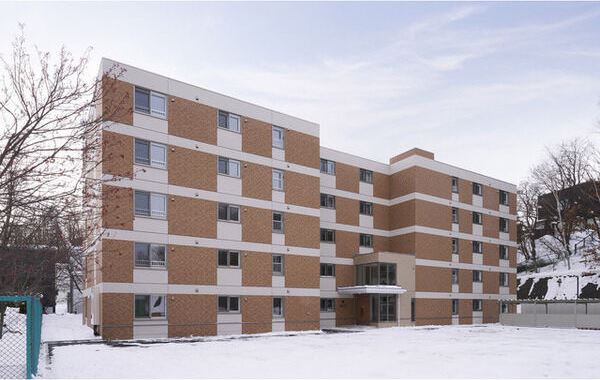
(527, 199)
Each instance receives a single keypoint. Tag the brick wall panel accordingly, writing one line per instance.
(301, 271)
(257, 314)
(465, 191)
(381, 217)
(433, 183)
(465, 281)
(117, 101)
(403, 243)
(117, 154)
(257, 137)
(117, 316)
(381, 185)
(192, 315)
(117, 207)
(465, 251)
(491, 311)
(193, 169)
(512, 203)
(465, 312)
(302, 190)
(491, 198)
(344, 312)
(192, 265)
(402, 215)
(344, 275)
(491, 282)
(257, 181)
(302, 149)
(491, 226)
(346, 244)
(346, 177)
(431, 279)
(192, 217)
(192, 120)
(302, 313)
(433, 311)
(117, 261)
(465, 221)
(346, 211)
(433, 247)
(302, 230)
(491, 255)
(257, 269)
(403, 182)
(257, 225)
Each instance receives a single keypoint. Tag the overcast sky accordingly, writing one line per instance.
(484, 86)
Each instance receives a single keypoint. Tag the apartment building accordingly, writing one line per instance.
(218, 216)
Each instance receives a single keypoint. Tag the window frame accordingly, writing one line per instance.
(454, 246)
(152, 213)
(282, 222)
(228, 309)
(229, 208)
(229, 253)
(327, 305)
(327, 270)
(327, 231)
(150, 297)
(479, 244)
(477, 218)
(502, 221)
(151, 162)
(454, 184)
(151, 111)
(479, 187)
(503, 252)
(280, 181)
(455, 276)
(228, 162)
(365, 240)
(329, 166)
(149, 251)
(455, 306)
(229, 116)
(503, 197)
(282, 133)
(281, 271)
(281, 307)
(479, 304)
(327, 197)
(501, 276)
(477, 276)
(365, 176)
(369, 208)
(454, 215)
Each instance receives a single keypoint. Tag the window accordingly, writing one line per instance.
(366, 176)
(228, 212)
(229, 121)
(229, 167)
(327, 167)
(454, 307)
(277, 179)
(503, 225)
(376, 274)
(477, 276)
(327, 305)
(477, 218)
(327, 201)
(278, 265)
(454, 215)
(503, 197)
(366, 208)
(454, 276)
(365, 240)
(454, 184)
(477, 305)
(327, 270)
(229, 304)
(503, 250)
(477, 188)
(150, 306)
(504, 308)
(229, 258)
(503, 279)
(150, 204)
(150, 255)
(477, 247)
(149, 153)
(150, 102)
(455, 246)
(278, 137)
(277, 307)
(383, 308)
(327, 236)
(278, 222)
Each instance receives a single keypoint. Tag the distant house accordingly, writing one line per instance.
(580, 202)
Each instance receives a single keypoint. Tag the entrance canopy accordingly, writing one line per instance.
(372, 289)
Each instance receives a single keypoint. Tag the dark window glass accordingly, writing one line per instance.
(222, 211)
(142, 100)
(223, 304)
(142, 152)
(234, 259)
(223, 119)
(234, 304)
(142, 203)
(223, 256)
(142, 306)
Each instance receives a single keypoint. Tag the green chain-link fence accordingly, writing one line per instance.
(20, 336)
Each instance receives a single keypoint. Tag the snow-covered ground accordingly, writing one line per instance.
(65, 327)
(483, 351)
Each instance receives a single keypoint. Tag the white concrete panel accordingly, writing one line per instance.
(478, 258)
(278, 196)
(477, 229)
(229, 185)
(455, 320)
(327, 283)
(145, 329)
(455, 288)
(150, 122)
(505, 263)
(477, 317)
(150, 276)
(365, 188)
(160, 226)
(504, 236)
(478, 287)
(148, 173)
(365, 221)
(365, 250)
(477, 201)
(277, 239)
(327, 249)
(229, 231)
(328, 215)
(327, 320)
(229, 139)
(455, 227)
(455, 258)
(278, 154)
(328, 180)
(229, 323)
(504, 209)
(278, 282)
(455, 197)
(504, 290)
(278, 325)
(229, 276)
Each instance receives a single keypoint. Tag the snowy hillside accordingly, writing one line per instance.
(556, 280)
